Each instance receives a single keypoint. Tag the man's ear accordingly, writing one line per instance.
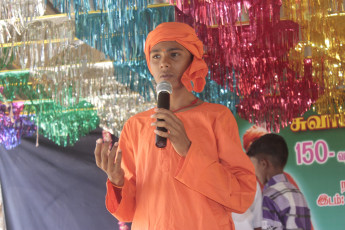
(264, 163)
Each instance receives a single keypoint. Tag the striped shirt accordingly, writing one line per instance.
(284, 206)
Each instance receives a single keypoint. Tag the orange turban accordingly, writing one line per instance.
(252, 134)
(185, 36)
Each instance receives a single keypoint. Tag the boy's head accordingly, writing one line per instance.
(269, 154)
(163, 47)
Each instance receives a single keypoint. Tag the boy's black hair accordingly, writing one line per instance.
(271, 145)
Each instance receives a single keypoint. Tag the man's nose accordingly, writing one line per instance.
(165, 62)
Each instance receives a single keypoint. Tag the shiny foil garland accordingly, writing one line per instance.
(256, 50)
(6, 53)
(82, 78)
(65, 69)
(115, 102)
(57, 65)
(13, 125)
(15, 15)
(7, 57)
(322, 42)
(63, 125)
(257, 59)
(125, 47)
(132, 87)
(12, 85)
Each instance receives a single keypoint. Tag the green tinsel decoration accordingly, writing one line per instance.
(8, 56)
(62, 125)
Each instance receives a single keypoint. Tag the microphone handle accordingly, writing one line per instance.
(163, 102)
(161, 142)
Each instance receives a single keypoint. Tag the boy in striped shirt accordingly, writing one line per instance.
(284, 206)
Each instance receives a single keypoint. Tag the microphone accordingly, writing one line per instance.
(164, 89)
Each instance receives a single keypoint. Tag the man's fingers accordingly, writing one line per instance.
(118, 160)
(160, 124)
(166, 114)
(111, 157)
(104, 155)
(170, 122)
(161, 133)
(172, 129)
(97, 152)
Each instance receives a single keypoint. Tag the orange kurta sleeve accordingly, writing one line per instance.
(123, 209)
(229, 178)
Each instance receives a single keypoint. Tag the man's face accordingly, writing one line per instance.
(259, 170)
(168, 61)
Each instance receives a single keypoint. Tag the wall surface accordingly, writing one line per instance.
(54, 188)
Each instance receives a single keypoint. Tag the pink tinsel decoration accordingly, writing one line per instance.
(257, 51)
(123, 226)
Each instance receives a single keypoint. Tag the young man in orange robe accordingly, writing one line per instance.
(202, 175)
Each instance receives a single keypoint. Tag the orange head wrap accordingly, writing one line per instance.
(253, 133)
(185, 36)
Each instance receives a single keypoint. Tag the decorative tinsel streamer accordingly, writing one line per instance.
(123, 226)
(122, 39)
(14, 17)
(13, 84)
(124, 43)
(64, 125)
(58, 66)
(6, 57)
(115, 102)
(216, 93)
(323, 37)
(58, 70)
(14, 126)
(257, 52)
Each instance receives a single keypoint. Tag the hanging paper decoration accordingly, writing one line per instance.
(322, 44)
(13, 125)
(266, 60)
(57, 65)
(216, 93)
(257, 51)
(64, 125)
(6, 57)
(121, 34)
(13, 85)
(55, 59)
(25, 10)
(115, 103)
(45, 51)
(14, 17)
(123, 39)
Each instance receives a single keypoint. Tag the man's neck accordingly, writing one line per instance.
(274, 172)
(181, 97)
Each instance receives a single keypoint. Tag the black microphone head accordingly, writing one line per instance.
(164, 86)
